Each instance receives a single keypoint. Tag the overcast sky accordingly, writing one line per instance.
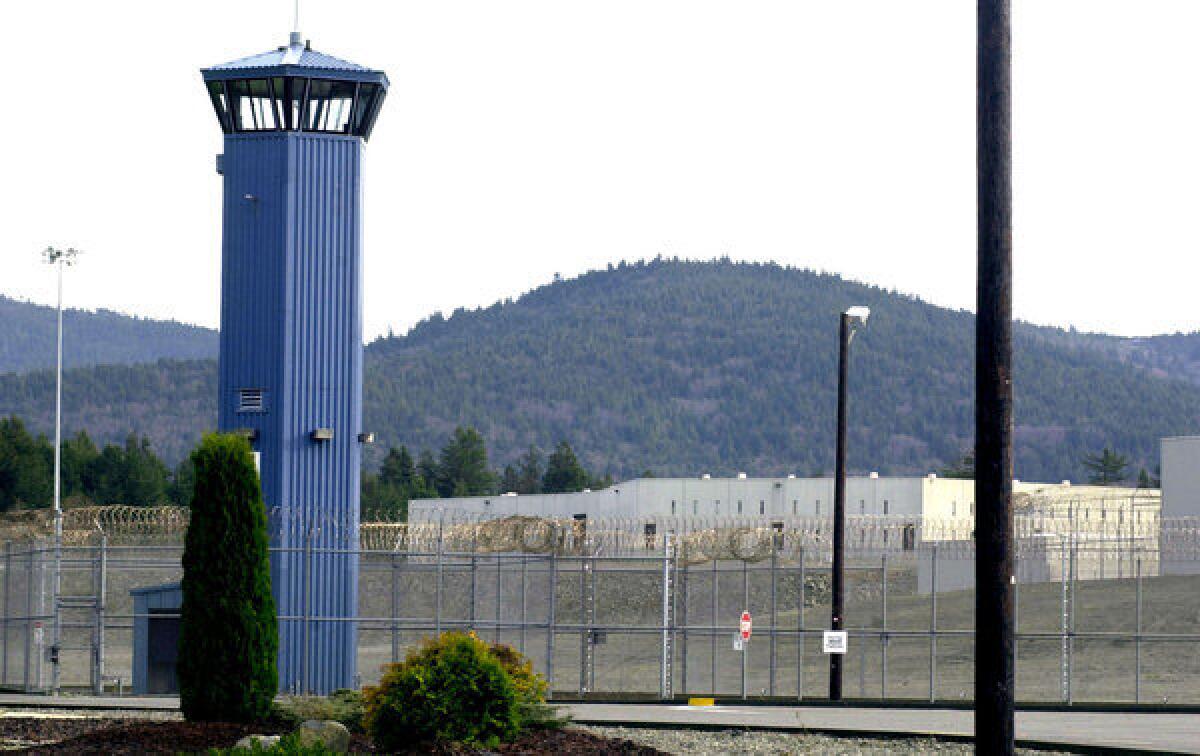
(523, 138)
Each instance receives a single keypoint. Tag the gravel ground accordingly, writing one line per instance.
(706, 742)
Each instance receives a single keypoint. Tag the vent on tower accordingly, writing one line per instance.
(251, 401)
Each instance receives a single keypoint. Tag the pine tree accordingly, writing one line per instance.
(228, 637)
(564, 474)
(1107, 467)
(463, 466)
(963, 469)
(510, 481)
(427, 470)
(398, 469)
(529, 472)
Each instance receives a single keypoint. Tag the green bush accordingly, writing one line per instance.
(289, 745)
(451, 689)
(228, 639)
(345, 706)
(532, 710)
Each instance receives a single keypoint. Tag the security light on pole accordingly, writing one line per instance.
(59, 258)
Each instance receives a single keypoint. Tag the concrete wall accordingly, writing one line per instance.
(1181, 476)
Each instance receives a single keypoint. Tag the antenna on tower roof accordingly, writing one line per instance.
(295, 39)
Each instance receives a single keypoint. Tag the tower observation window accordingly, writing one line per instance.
(253, 107)
(288, 103)
(330, 104)
(216, 92)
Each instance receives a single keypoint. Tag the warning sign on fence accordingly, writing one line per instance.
(746, 626)
(834, 642)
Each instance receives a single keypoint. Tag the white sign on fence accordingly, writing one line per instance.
(834, 642)
(738, 643)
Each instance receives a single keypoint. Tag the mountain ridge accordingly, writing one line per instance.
(686, 367)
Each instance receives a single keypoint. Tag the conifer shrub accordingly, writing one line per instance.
(451, 689)
(228, 638)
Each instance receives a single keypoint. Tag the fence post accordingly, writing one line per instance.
(304, 660)
(550, 622)
(713, 637)
(585, 631)
(774, 614)
(29, 622)
(746, 608)
(1071, 634)
(683, 622)
(395, 608)
(1065, 577)
(933, 574)
(98, 639)
(524, 614)
(800, 632)
(1137, 642)
(664, 667)
(474, 578)
(439, 568)
(499, 588)
(7, 607)
(883, 637)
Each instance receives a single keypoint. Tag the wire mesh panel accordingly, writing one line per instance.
(1107, 607)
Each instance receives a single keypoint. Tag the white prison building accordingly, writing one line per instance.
(708, 497)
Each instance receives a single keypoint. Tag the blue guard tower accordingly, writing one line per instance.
(295, 123)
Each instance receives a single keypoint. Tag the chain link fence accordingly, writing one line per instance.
(650, 608)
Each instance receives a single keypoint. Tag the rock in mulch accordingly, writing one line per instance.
(263, 742)
(323, 732)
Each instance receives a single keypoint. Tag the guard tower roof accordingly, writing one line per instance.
(297, 58)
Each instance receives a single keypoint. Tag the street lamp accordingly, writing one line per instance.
(852, 319)
(59, 258)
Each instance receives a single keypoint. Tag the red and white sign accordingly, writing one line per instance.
(746, 626)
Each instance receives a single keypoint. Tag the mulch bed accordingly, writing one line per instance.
(123, 737)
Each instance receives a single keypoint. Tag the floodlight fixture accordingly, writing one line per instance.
(858, 315)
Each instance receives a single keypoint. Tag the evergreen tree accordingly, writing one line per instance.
(228, 638)
(145, 475)
(564, 474)
(510, 481)
(463, 466)
(963, 469)
(1107, 468)
(182, 484)
(398, 469)
(79, 457)
(427, 470)
(26, 467)
(1143, 480)
(529, 472)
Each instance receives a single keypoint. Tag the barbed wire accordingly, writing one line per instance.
(698, 539)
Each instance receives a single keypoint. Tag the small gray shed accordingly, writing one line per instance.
(156, 638)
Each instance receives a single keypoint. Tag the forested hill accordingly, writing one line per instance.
(687, 367)
(27, 338)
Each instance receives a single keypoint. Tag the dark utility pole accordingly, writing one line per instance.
(851, 320)
(994, 566)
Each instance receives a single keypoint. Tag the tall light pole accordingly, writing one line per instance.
(995, 637)
(60, 259)
(852, 319)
